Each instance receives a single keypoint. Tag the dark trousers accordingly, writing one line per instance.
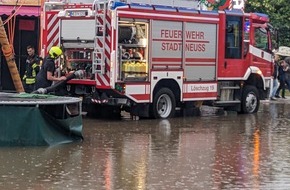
(28, 87)
(281, 87)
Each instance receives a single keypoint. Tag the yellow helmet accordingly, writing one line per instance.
(55, 52)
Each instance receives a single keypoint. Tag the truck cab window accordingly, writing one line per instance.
(273, 43)
(233, 37)
(261, 38)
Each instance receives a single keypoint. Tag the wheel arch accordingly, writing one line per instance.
(257, 79)
(170, 84)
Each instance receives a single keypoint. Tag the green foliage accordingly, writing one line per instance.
(279, 14)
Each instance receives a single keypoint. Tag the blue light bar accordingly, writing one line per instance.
(115, 4)
(247, 26)
(212, 12)
(141, 6)
(234, 12)
(187, 10)
(164, 8)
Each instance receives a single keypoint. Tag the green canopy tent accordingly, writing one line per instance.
(36, 120)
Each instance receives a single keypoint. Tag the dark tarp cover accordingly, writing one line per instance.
(32, 126)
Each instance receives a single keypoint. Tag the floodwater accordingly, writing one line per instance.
(186, 153)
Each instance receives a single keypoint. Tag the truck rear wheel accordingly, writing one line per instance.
(250, 99)
(163, 104)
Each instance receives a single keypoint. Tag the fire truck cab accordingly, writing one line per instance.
(150, 59)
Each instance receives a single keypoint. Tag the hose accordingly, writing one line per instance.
(76, 74)
(8, 53)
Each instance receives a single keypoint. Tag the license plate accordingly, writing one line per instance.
(78, 13)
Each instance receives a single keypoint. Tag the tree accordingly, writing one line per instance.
(279, 14)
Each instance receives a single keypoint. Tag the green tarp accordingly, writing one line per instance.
(32, 126)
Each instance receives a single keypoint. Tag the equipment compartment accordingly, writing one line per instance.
(76, 59)
(133, 53)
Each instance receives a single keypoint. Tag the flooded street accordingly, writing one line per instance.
(186, 153)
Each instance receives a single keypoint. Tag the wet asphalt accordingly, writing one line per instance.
(224, 151)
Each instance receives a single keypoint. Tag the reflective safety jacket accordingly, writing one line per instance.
(32, 68)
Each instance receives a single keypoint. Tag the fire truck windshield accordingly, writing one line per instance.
(261, 38)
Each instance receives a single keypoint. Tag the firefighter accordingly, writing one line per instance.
(33, 62)
(46, 75)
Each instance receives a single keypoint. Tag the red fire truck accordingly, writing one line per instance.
(152, 60)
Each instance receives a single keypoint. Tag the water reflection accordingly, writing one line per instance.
(196, 153)
(37, 168)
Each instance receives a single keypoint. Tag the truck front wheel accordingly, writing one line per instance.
(163, 104)
(250, 99)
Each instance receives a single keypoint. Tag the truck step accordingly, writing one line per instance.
(229, 87)
(227, 102)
